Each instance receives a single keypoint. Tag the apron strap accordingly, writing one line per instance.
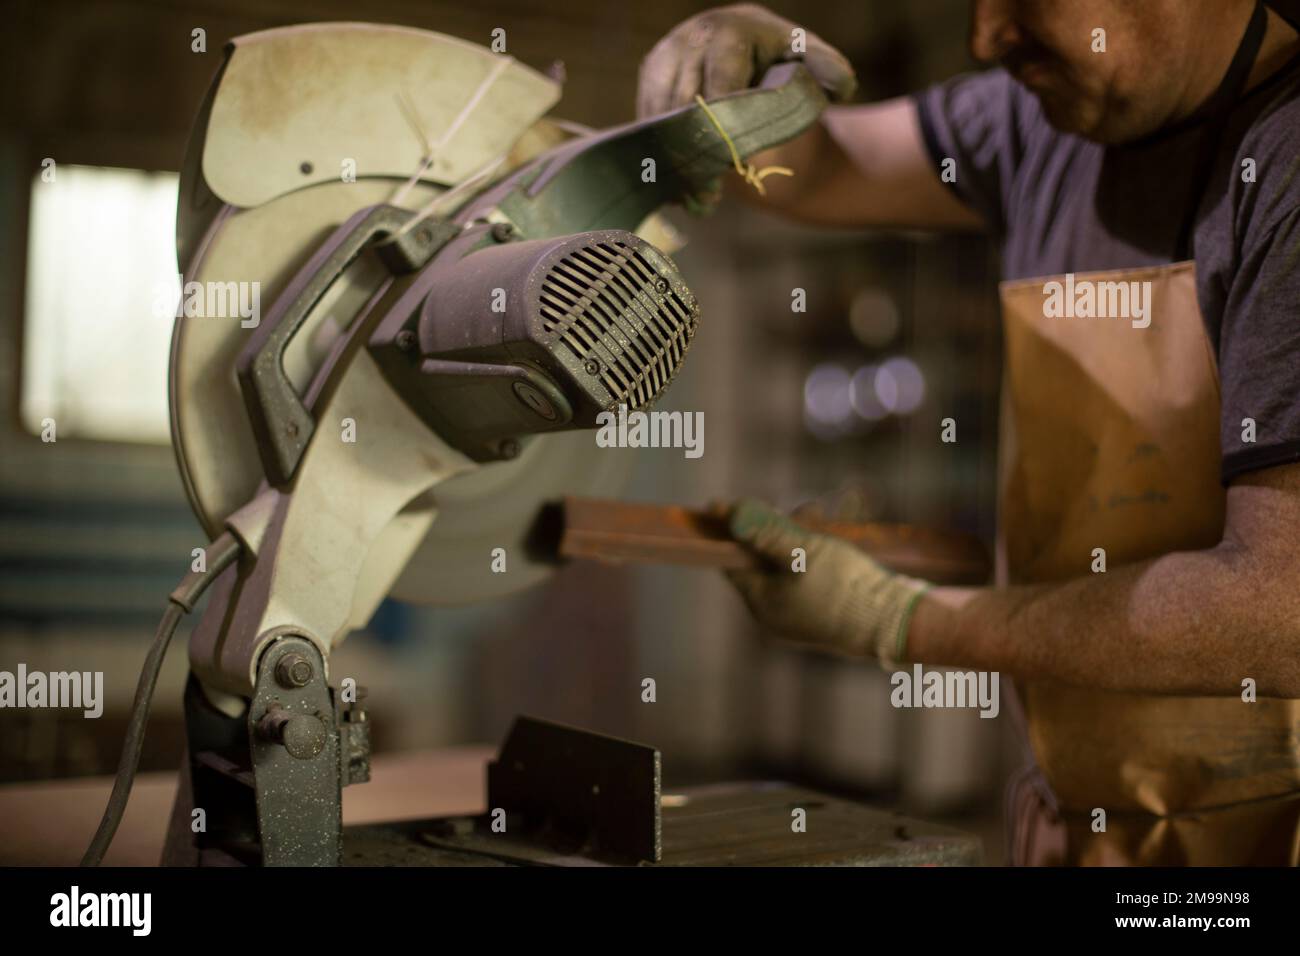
(1288, 10)
(1218, 110)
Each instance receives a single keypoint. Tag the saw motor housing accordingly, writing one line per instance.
(536, 336)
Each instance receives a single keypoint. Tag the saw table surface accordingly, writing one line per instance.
(731, 824)
(390, 821)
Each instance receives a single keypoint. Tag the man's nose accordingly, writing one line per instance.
(993, 29)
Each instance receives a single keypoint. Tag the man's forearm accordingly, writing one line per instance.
(1194, 623)
(860, 167)
(810, 155)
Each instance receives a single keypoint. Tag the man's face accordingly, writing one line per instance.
(1112, 87)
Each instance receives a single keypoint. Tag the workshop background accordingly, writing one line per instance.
(840, 404)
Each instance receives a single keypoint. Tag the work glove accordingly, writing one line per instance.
(728, 49)
(843, 602)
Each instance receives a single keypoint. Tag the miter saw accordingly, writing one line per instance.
(459, 287)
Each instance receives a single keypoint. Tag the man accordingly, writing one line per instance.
(1139, 164)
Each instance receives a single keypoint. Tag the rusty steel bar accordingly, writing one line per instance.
(618, 531)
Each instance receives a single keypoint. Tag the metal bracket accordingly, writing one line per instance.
(595, 792)
(246, 809)
(293, 735)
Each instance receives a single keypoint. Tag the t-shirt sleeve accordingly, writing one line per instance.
(1259, 348)
(975, 119)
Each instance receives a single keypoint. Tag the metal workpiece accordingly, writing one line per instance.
(294, 744)
(619, 531)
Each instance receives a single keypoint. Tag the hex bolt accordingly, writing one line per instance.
(302, 735)
(293, 670)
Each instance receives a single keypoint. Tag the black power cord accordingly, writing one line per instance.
(221, 553)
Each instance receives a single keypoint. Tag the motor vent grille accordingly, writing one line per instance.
(606, 303)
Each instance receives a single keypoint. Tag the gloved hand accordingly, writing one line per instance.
(843, 602)
(728, 49)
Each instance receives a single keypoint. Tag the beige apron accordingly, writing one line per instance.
(1110, 439)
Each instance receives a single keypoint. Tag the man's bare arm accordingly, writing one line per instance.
(1192, 623)
(861, 166)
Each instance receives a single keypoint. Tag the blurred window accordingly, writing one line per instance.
(101, 292)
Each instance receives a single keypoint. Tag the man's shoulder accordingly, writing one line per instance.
(1273, 113)
(1266, 159)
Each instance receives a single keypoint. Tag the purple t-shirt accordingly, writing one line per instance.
(1058, 203)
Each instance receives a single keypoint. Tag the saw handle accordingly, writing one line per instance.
(279, 417)
(595, 182)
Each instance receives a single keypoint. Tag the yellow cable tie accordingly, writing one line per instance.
(746, 170)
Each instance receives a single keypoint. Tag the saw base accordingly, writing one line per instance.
(731, 824)
(556, 796)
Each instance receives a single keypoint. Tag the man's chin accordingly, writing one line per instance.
(1073, 115)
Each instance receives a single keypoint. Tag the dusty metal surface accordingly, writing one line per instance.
(753, 824)
(297, 103)
(294, 742)
(400, 844)
(734, 824)
(668, 534)
(576, 792)
(281, 422)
